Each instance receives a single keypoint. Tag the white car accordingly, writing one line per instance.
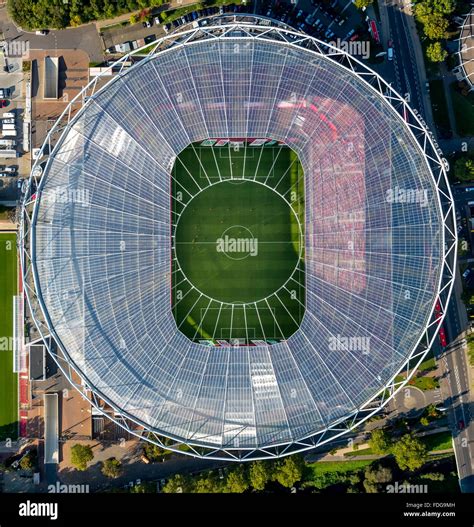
(10, 170)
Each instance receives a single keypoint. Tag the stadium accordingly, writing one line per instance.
(238, 242)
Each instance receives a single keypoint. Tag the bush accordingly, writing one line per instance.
(112, 468)
(436, 53)
(81, 455)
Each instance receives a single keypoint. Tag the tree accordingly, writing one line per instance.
(289, 470)
(205, 485)
(431, 410)
(143, 488)
(378, 474)
(134, 18)
(154, 452)
(112, 468)
(435, 26)
(426, 8)
(464, 168)
(424, 421)
(410, 453)
(28, 462)
(260, 473)
(370, 488)
(81, 455)
(363, 3)
(179, 483)
(237, 480)
(444, 7)
(380, 442)
(436, 53)
(433, 476)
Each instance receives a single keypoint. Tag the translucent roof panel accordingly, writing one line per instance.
(373, 242)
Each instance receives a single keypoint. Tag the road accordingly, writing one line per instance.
(406, 74)
(456, 390)
(455, 372)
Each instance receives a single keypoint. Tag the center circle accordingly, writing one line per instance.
(238, 232)
(238, 242)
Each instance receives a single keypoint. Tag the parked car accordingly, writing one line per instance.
(3, 103)
(349, 35)
(41, 32)
(10, 169)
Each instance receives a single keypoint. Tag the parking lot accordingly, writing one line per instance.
(12, 91)
(319, 19)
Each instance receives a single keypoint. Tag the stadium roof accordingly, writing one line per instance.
(377, 246)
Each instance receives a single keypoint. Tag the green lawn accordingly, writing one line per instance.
(323, 467)
(323, 474)
(424, 383)
(441, 441)
(463, 111)
(361, 452)
(8, 380)
(440, 107)
(238, 268)
(4, 212)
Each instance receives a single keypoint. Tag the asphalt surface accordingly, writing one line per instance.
(404, 58)
(84, 37)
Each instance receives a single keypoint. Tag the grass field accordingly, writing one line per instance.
(441, 441)
(8, 380)
(238, 243)
(463, 111)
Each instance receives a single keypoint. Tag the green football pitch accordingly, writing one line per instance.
(8, 379)
(238, 243)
